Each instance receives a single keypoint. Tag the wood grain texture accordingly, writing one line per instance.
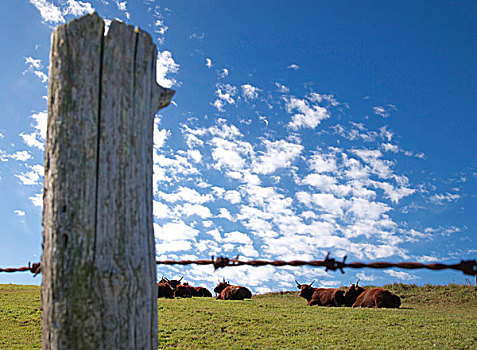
(98, 262)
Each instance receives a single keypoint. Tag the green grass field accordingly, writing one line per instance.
(438, 317)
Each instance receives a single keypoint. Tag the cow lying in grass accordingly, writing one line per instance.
(202, 292)
(227, 292)
(321, 296)
(167, 287)
(357, 296)
(164, 290)
(184, 291)
(172, 283)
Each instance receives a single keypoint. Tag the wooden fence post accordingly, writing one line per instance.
(98, 264)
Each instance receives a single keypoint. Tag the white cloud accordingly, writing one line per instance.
(37, 199)
(33, 63)
(166, 169)
(195, 209)
(48, 11)
(380, 167)
(174, 236)
(160, 28)
(326, 202)
(197, 36)
(278, 154)
(32, 177)
(122, 5)
(19, 212)
(236, 237)
(208, 62)
(186, 194)
(427, 259)
(233, 196)
(223, 73)
(43, 77)
(195, 155)
(441, 199)
(386, 134)
(225, 94)
(250, 92)
(173, 246)
(37, 138)
(388, 147)
(160, 135)
(78, 8)
(160, 210)
(21, 156)
(323, 163)
(165, 66)
(219, 104)
(395, 194)
(34, 66)
(363, 276)
(323, 182)
(225, 214)
(384, 111)
(293, 66)
(320, 98)
(307, 116)
(363, 208)
(401, 275)
(282, 88)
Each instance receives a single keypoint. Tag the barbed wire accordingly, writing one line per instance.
(468, 267)
(35, 269)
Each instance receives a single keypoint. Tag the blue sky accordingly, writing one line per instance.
(295, 130)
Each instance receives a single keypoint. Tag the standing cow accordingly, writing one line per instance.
(321, 296)
(373, 297)
(228, 292)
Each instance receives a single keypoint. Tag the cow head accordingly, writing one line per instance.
(221, 286)
(306, 290)
(352, 293)
(172, 283)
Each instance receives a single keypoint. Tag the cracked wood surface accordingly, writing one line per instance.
(98, 262)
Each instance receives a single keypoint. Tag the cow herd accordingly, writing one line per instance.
(354, 296)
(167, 288)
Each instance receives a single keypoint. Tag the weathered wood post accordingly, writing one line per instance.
(98, 264)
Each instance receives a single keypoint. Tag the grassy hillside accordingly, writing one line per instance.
(443, 317)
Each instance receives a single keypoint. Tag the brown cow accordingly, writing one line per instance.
(172, 283)
(184, 291)
(374, 297)
(321, 296)
(164, 290)
(353, 293)
(227, 292)
(202, 292)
